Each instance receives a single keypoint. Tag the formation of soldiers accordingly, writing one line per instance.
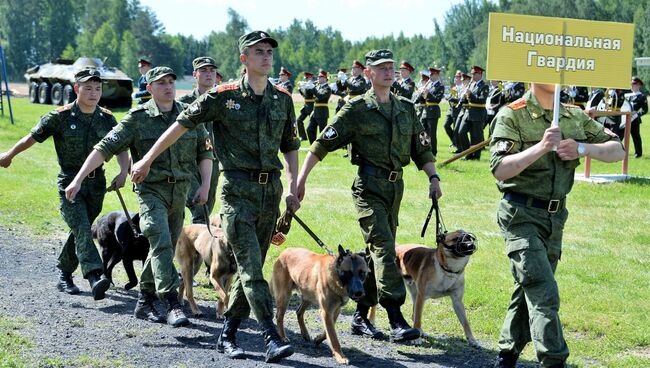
(180, 147)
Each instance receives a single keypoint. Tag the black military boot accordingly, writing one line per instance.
(362, 326)
(276, 349)
(144, 308)
(227, 343)
(506, 359)
(98, 283)
(175, 315)
(400, 329)
(66, 284)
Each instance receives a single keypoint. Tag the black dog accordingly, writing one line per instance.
(118, 243)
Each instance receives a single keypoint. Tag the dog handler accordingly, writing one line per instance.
(385, 134)
(76, 128)
(535, 181)
(252, 121)
(162, 196)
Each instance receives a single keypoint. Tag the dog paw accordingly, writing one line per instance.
(342, 360)
(130, 285)
(474, 343)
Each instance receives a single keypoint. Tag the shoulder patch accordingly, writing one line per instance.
(227, 87)
(282, 89)
(106, 111)
(518, 104)
(65, 107)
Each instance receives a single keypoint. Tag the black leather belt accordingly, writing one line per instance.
(391, 176)
(260, 177)
(552, 206)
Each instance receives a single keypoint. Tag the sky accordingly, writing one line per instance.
(356, 19)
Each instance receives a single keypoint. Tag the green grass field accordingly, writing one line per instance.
(604, 275)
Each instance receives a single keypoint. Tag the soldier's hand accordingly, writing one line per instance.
(551, 139)
(5, 159)
(568, 150)
(139, 171)
(119, 180)
(293, 203)
(72, 190)
(201, 196)
(434, 189)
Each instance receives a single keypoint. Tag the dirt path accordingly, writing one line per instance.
(74, 328)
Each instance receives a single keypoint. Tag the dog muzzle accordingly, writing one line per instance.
(464, 246)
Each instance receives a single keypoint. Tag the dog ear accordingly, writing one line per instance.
(341, 250)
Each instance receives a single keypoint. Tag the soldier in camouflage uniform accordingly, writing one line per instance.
(535, 181)
(306, 91)
(473, 114)
(430, 97)
(406, 86)
(162, 196)
(205, 72)
(142, 95)
(253, 120)
(385, 135)
(76, 128)
(321, 113)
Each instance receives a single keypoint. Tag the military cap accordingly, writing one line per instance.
(308, 74)
(285, 71)
(466, 77)
(202, 61)
(434, 71)
(406, 65)
(476, 69)
(637, 80)
(458, 74)
(376, 57)
(219, 74)
(250, 39)
(142, 62)
(357, 64)
(322, 73)
(87, 74)
(158, 72)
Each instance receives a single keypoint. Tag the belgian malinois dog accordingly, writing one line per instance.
(196, 245)
(431, 273)
(327, 280)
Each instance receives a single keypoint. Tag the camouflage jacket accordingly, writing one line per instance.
(248, 133)
(188, 99)
(378, 139)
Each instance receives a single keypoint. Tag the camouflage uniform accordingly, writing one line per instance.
(249, 132)
(163, 193)
(431, 111)
(383, 139)
(531, 216)
(321, 112)
(75, 134)
(472, 118)
(198, 211)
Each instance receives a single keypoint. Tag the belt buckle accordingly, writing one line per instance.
(91, 175)
(263, 178)
(553, 205)
(392, 177)
(171, 179)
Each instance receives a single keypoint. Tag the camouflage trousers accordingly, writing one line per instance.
(377, 202)
(79, 249)
(534, 245)
(162, 211)
(198, 212)
(249, 212)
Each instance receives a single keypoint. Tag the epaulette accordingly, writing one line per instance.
(65, 107)
(518, 104)
(282, 89)
(106, 111)
(227, 87)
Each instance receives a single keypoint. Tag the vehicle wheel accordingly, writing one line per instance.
(33, 92)
(56, 95)
(68, 94)
(44, 93)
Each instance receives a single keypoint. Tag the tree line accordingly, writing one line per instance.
(121, 31)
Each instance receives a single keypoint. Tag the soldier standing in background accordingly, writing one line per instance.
(285, 79)
(473, 114)
(321, 113)
(581, 97)
(355, 85)
(143, 95)
(430, 96)
(75, 129)
(341, 92)
(495, 101)
(454, 107)
(163, 194)
(306, 90)
(205, 74)
(424, 79)
(514, 91)
(639, 103)
(405, 87)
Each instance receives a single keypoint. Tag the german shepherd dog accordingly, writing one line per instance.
(433, 273)
(196, 245)
(118, 243)
(327, 280)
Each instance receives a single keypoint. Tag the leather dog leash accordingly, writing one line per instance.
(440, 225)
(136, 233)
(308, 230)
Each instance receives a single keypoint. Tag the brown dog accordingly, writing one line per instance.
(327, 280)
(196, 245)
(434, 273)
